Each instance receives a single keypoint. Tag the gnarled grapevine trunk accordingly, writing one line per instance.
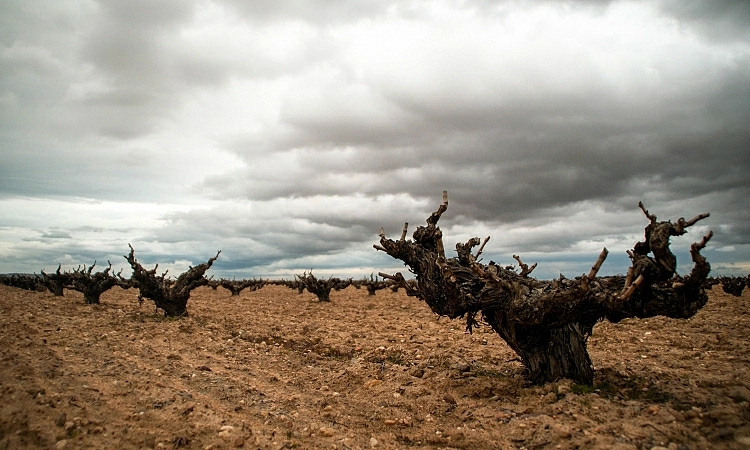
(169, 295)
(372, 284)
(92, 286)
(548, 322)
(56, 282)
(237, 286)
(320, 287)
(733, 285)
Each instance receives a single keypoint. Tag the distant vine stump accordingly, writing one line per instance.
(547, 323)
(237, 286)
(23, 281)
(56, 282)
(169, 295)
(320, 287)
(373, 284)
(92, 286)
(734, 285)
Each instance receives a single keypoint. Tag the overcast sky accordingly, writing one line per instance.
(286, 133)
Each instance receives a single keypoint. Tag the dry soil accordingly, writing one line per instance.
(275, 369)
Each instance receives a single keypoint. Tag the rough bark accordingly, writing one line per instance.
(56, 282)
(213, 284)
(237, 286)
(291, 284)
(92, 286)
(320, 287)
(23, 281)
(548, 322)
(125, 283)
(734, 285)
(372, 284)
(169, 295)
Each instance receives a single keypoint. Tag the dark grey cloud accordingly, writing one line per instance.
(128, 46)
(56, 234)
(565, 151)
(286, 134)
(720, 20)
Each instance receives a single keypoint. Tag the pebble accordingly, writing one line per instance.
(60, 444)
(562, 431)
(61, 419)
(373, 383)
(226, 432)
(326, 431)
(373, 442)
(461, 367)
(189, 407)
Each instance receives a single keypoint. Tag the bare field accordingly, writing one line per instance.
(274, 369)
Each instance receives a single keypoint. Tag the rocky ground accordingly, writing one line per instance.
(274, 369)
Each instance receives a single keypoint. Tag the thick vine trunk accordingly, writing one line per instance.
(169, 295)
(548, 353)
(92, 286)
(547, 323)
(320, 287)
(56, 282)
(372, 284)
(234, 286)
(734, 285)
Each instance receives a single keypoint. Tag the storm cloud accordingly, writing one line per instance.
(287, 135)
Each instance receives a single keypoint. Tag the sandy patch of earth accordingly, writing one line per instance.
(274, 369)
